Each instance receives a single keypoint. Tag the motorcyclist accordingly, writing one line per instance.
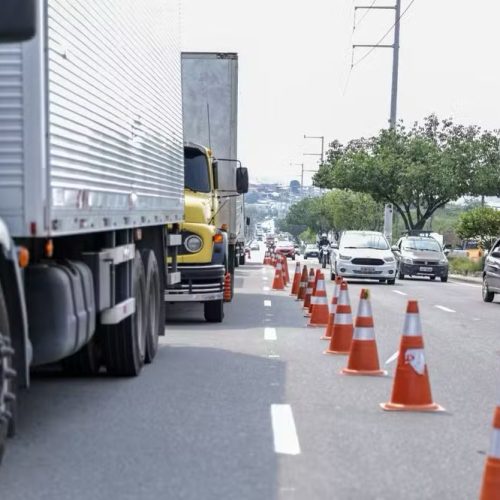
(323, 240)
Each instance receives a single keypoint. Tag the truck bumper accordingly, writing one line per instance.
(199, 283)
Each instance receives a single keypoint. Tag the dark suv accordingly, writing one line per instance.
(491, 273)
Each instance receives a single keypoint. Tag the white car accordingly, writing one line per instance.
(364, 255)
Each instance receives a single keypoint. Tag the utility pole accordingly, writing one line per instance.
(322, 154)
(395, 54)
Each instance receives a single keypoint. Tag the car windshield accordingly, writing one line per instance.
(196, 175)
(427, 245)
(311, 247)
(284, 244)
(361, 240)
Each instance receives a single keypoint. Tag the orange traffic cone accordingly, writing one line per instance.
(490, 489)
(340, 343)
(320, 312)
(309, 289)
(227, 295)
(363, 357)
(296, 280)
(303, 284)
(284, 266)
(332, 306)
(411, 390)
(266, 258)
(278, 278)
(313, 294)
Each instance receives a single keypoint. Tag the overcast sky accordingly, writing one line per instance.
(294, 66)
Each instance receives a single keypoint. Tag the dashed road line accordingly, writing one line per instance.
(267, 303)
(265, 278)
(285, 436)
(266, 289)
(270, 333)
(446, 309)
(398, 292)
(465, 284)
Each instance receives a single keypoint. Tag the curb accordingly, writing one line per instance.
(467, 279)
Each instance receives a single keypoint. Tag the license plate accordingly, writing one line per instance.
(426, 269)
(368, 270)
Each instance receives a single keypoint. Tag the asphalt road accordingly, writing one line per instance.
(252, 409)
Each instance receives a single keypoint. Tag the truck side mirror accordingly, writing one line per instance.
(242, 180)
(215, 170)
(17, 20)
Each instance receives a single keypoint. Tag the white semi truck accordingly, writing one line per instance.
(91, 181)
(210, 111)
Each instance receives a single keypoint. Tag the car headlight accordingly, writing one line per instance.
(443, 261)
(193, 243)
(344, 257)
(407, 261)
(389, 259)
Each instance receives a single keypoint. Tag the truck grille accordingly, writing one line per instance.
(367, 262)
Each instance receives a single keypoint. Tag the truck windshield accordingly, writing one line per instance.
(196, 175)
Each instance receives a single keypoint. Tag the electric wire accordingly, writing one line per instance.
(355, 25)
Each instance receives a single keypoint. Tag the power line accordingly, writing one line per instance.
(355, 25)
(378, 44)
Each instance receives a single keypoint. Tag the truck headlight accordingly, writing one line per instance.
(193, 243)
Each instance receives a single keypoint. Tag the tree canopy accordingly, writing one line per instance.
(417, 169)
(481, 224)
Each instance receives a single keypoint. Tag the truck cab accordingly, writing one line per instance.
(202, 256)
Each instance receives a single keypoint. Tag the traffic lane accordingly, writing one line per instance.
(345, 411)
(195, 424)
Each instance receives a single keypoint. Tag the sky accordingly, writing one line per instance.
(295, 77)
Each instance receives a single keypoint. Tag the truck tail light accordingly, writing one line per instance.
(23, 257)
(218, 238)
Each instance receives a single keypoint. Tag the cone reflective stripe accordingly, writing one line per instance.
(411, 390)
(278, 278)
(363, 356)
(303, 284)
(284, 266)
(332, 307)
(490, 488)
(309, 289)
(320, 312)
(227, 295)
(296, 280)
(340, 343)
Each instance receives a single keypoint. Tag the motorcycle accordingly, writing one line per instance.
(324, 255)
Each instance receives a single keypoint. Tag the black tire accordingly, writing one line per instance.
(86, 362)
(153, 304)
(242, 260)
(444, 279)
(8, 386)
(214, 311)
(236, 261)
(381, 281)
(401, 276)
(391, 282)
(305, 257)
(332, 275)
(432, 278)
(293, 257)
(487, 295)
(125, 343)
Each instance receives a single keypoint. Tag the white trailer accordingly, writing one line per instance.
(91, 173)
(210, 111)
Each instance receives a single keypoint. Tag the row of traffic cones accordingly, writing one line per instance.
(411, 389)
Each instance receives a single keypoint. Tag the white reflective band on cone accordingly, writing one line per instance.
(343, 319)
(314, 300)
(303, 283)
(309, 291)
(344, 298)
(412, 326)
(365, 308)
(331, 308)
(363, 332)
(321, 285)
(322, 300)
(495, 444)
(278, 266)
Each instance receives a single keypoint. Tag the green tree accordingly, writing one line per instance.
(481, 224)
(418, 170)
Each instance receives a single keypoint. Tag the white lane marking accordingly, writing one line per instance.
(265, 278)
(285, 436)
(270, 333)
(392, 358)
(446, 309)
(398, 292)
(465, 284)
(267, 303)
(273, 356)
(266, 289)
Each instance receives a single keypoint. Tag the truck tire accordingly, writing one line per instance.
(153, 304)
(214, 311)
(242, 260)
(7, 379)
(125, 343)
(86, 362)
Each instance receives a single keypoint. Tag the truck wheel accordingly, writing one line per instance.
(86, 362)
(242, 260)
(7, 379)
(153, 304)
(125, 343)
(214, 311)
(236, 261)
